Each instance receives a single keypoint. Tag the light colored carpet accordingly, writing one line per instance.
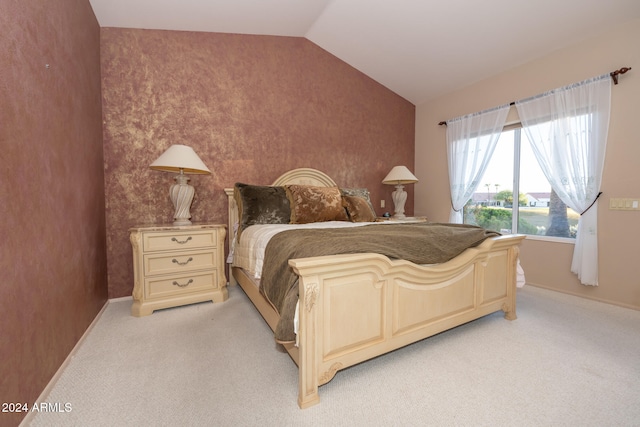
(565, 361)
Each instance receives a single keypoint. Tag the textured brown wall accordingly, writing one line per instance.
(53, 251)
(252, 107)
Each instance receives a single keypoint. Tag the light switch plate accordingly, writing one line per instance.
(624, 204)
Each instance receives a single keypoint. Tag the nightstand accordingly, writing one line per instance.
(177, 265)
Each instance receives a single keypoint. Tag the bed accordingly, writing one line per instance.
(386, 303)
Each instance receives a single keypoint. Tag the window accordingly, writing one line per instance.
(515, 195)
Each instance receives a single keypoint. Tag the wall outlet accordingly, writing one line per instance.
(382, 203)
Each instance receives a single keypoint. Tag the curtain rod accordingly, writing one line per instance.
(614, 76)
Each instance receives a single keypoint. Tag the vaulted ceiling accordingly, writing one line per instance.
(420, 49)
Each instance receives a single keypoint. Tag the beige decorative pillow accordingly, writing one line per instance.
(358, 209)
(315, 204)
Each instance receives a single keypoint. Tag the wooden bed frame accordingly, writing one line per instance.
(402, 302)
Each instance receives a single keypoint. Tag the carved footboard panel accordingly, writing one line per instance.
(356, 307)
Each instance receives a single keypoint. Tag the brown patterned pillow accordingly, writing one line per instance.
(359, 209)
(315, 204)
(261, 204)
(359, 192)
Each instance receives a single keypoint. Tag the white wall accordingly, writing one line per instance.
(548, 264)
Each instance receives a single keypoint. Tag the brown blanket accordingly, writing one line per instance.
(420, 243)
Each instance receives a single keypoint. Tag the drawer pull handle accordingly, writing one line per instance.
(173, 239)
(182, 286)
(182, 263)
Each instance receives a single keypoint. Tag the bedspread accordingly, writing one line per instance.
(420, 243)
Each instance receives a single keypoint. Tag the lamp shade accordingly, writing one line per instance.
(179, 158)
(399, 175)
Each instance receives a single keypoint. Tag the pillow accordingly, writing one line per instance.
(358, 209)
(261, 204)
(315, 204)
(359, 192)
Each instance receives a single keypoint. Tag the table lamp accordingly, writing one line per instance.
(399, 176)
(183, 160)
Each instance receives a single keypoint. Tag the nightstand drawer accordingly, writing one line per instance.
(179, 262)
(180, 284)
(172, 240)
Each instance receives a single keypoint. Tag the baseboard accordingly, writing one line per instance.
(47, 390)
(129, 298)
(576, 294)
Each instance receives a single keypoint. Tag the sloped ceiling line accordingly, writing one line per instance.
(420, 49)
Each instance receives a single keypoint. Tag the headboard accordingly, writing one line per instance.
(305, 176)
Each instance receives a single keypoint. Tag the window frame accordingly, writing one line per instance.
(515, 213)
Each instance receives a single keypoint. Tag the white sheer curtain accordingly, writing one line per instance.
(567, 128)
(471, 141)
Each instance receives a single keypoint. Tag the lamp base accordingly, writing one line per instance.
(181, 194)
(399, 198)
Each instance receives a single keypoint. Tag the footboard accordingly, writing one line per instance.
(358, 306)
